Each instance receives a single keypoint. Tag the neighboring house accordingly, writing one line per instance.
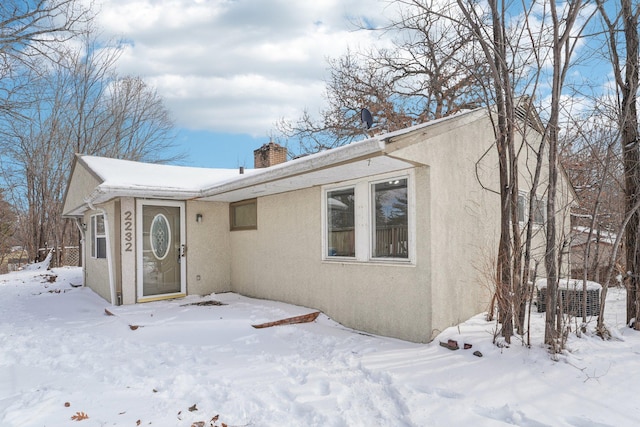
(601, 243)
(394, 235)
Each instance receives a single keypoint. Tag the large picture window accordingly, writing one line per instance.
(98, 237)
(341, 223)
(369, 220)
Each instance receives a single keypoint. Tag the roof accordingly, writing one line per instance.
(121, 174)
(124, 178)
(580, 236)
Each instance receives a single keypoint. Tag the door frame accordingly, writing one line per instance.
(140, 203)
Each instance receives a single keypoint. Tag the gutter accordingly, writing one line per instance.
(323, 160)
(112, 283)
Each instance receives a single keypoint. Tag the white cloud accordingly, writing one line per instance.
(235, 65)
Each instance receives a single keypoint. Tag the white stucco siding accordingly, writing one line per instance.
(277, 260)
(82, 184)
(564, 201)
(208, 248)
(97, 269)
(283, 260)
(466, 211)
(125, 225)
(464, 216)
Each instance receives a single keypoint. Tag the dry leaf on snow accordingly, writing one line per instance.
(79, 416)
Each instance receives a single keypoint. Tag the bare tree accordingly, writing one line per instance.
(592, 158)
(446, 56)
(79, 104)
(354, 83)
(424, 73)
(492, 38)
(518, 57)
(626, 78)
(30, 29)
(564, 38)
(7, 227)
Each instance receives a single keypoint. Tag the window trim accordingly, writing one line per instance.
(543, 210)
(372, 213)
(537, 199)
(525, 202)
(325, 221)
(234, 205)
(95, 237)
(363, 192)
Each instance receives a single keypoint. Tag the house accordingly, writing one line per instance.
(600, 244)
(394, 235)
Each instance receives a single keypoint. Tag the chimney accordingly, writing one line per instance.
(268, 155)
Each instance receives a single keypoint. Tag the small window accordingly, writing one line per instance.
(98, 237)
(341, 240)
(390, 219)
(522, 202)
(539, 211)
(244, 215)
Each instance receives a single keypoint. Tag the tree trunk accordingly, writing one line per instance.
(629, 140)
(561, 50)
(503, 101)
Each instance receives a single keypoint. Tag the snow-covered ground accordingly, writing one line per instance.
(61, 356)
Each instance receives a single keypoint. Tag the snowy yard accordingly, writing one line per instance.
(61, 356)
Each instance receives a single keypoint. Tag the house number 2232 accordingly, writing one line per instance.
(128, 231)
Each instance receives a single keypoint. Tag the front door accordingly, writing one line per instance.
(161, 250)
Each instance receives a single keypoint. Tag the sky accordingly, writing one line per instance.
(229, 69)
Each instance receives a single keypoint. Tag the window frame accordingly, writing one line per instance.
(541, 208)
(232, 217)
(522, 208)
(96, 252)
(372, 212)
(364, 211)
(327, 230)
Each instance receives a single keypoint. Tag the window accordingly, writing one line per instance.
(390, 219)
(244, 215)
(369, 220)
(522, 202)
(539, 209)
(98, 237)
(341, 222)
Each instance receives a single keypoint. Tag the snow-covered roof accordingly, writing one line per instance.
(120, 174)
(581, 234)
(122, 178)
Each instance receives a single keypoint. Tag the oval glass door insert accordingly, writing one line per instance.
(160, 236)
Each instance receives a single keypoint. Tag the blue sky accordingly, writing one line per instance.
(229, 69)
(206, 148)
